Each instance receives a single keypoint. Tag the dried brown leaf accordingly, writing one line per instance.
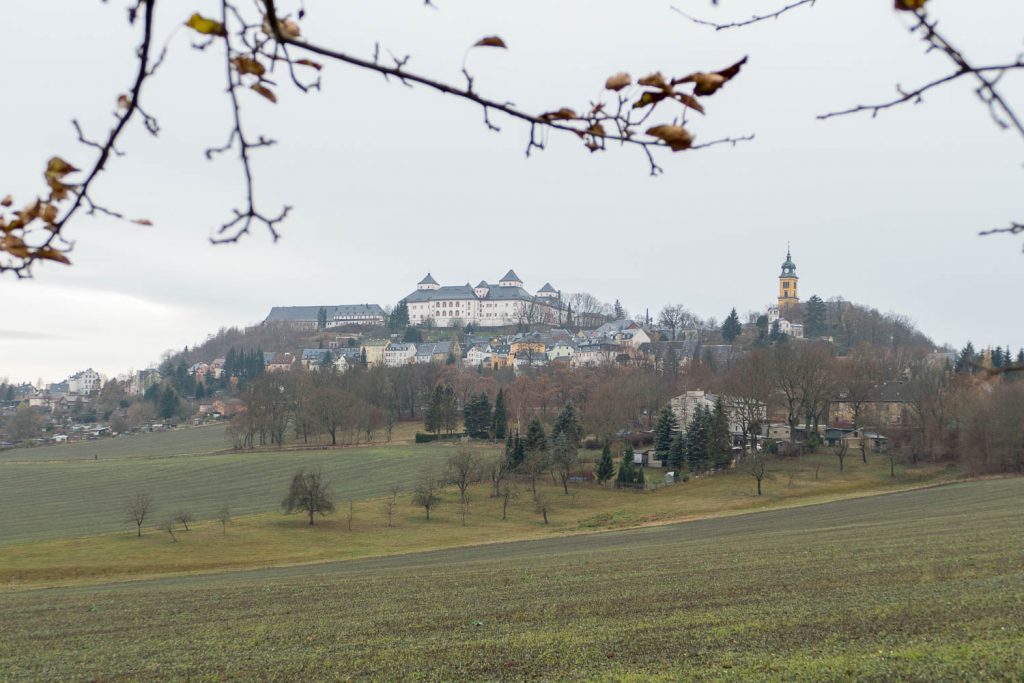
(309, 62)
(676, 137)
(563, 114)
(649, 97)
(248, 65)
(690, 102)
(15, 246)
(265, 91)
(708, 83)
(142, 221)
(655, 80)
(49, 213)
(491, 41)
(910, 5)
(58, 168)
(618, 81)
(123, 101)
(7, 201)
(51, 254)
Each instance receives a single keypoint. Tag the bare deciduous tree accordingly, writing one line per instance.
(509, 492)
(224, 517)
(463, 469)
(256, 40)
(138, 508)
(425, 495)
(542, 504)
(757, 466)
(388, 506)
(183, 517)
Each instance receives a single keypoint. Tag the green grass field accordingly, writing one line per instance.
(54, 499)
(255, 483)
(175, 442)
(926, 585)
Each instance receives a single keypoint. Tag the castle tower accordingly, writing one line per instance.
(787, 283)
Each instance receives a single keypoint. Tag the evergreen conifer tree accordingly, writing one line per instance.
(518, 452)
(732, 327)
(677, 453)
(536, 439)
(500, 419)
(568, 423)
(432, 415)
(698, 439)
(966, 360)
(721, 439)
(605, 466)
(815, 317)
(664, 430)
(626, 467)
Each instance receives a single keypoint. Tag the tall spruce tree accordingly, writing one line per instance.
(605, 466)
(815, 317)
(500, 419)
(626, 467)
(432, 419)
(698, 437)
(518, 452)
(321, 318)
(664, 430)
(732, 327)
(399, 318)
(677, 453)
(967, 359)
(721, 439)
(568, 424)
(536, 439)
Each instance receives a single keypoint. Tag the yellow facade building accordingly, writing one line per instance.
(788, 295)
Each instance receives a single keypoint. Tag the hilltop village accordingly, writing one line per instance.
(501, 331)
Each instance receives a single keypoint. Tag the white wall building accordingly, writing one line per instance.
(85, 382)
(485, 305)
(398, 354)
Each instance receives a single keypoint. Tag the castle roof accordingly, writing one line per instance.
(510, 276)
(548, 288)
(428, 280)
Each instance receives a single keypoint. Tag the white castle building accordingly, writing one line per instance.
(485, 305)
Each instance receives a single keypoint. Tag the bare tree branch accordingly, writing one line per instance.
(746, 22)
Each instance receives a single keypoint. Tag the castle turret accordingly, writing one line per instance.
(428, 283)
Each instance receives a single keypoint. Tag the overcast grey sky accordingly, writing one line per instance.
(389, 182)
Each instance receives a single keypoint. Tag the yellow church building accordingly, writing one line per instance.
(788, 295)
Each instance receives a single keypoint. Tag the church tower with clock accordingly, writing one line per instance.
(788, 295)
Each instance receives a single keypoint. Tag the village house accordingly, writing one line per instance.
(478, 355)
(397, 354)
(313, 359)
(280, 362)
(85, 382)
(684, 407)
(887, 404)
(373, 351)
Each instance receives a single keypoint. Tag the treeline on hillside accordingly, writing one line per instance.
(851, 325)
(794, 382)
